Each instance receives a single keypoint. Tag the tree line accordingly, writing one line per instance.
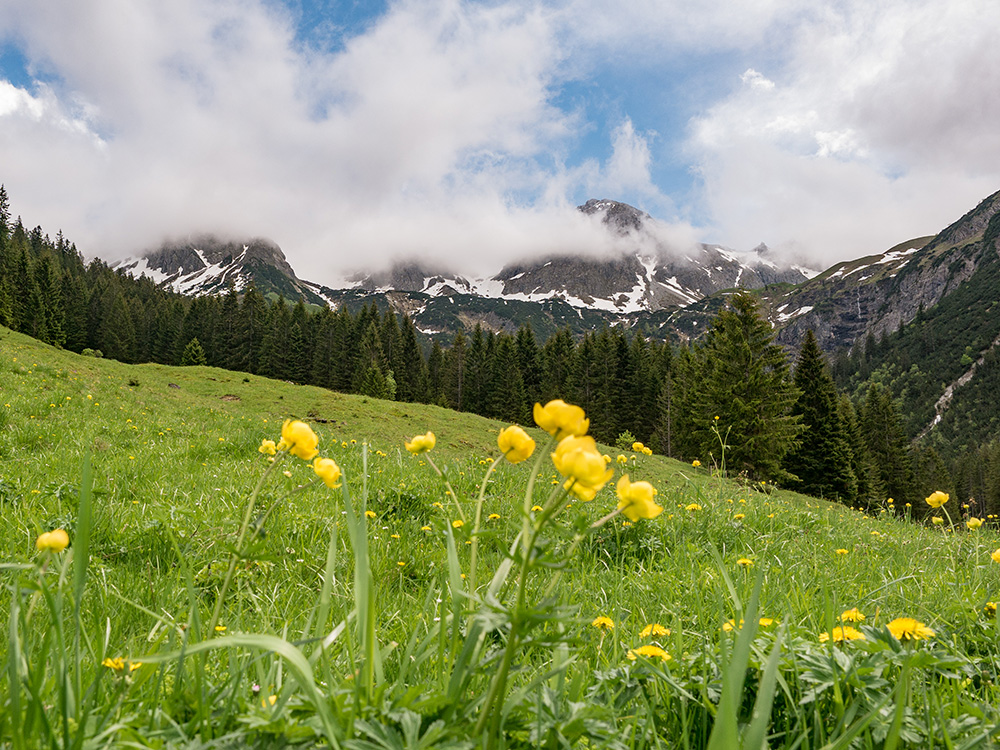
(732, 399)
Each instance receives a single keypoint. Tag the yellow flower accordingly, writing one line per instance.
(603, 623)
(842, 633)
(220, 628)
(730, 625)
(425, 528)
(937, 520)
(561, 419)
(52, 541)
(654, 630)
(696, 463)
(744, 562)
(421, 443)
(692, 506)
(937, 499)
(635, 499)
(457, 523)
(327, 470)
(990, 608)
(515, 444)
(841, 551)
(996, 556)
(647, 451)
(267, 447)
(739, 516)
(369, 514)
(119, 665)
(622, 459)
(908, 629)
(851, 615)
(649, 651)
(578, 459)
(299, 439)
(536, 508)
(974, 523)
(607, 458)
(493, 517)
(638, 447)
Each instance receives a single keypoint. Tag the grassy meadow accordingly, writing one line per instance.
(353, 617)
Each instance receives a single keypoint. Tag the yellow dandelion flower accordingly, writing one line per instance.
(739, 516)
(421, 443)
(654, 630)
(603, 623)
(457, 523)
(425, 528)
(908, 629)
(745, 562)
(842, 633)
(649, 651)
(536, 508)
(692, 506)
(220, 628)
(851, 615)
(990, 608)
(369, 514)
(493, 517)
(841, 551)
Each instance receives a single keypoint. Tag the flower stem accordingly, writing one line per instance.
(473, 556)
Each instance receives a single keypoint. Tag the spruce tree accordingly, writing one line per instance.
(822, 459)
(870, 488)
(193, 354)
(745, 383)
(882, 427)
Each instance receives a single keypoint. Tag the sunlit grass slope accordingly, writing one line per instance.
(175, 455)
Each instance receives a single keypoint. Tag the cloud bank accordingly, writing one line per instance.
(444, 129)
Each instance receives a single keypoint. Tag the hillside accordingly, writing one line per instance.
(175, 454)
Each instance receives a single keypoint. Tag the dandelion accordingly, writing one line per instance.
(990, 608)
(851, 615)
(515, 444)
(537, 508)
(604, 624)
(937, 520)
(267, 447)
(692, 507)
(327, 470)
(120, 666)
(299, 439)
(654, 630)
(937, 499)
(974, 523)
(908, 629)
(842, 633)
(745, 562)
(425, 528)
(739, 516)
(421, 443)
(401, 564)
(649, 651)
(635, 499)
(220, 628)
(493, 517)
(457, 523)
(52, 541)
(369, 514)
(841, 551)
(696, 463)
(561, 419)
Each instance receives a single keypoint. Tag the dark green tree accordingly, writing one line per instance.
(882, 427)
(822, 459)
(193, 354)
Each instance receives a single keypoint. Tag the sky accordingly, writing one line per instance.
(359, 132)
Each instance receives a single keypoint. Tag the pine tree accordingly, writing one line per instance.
(411, 372)
(436, 371)
(557, 362)
(745, 383)
(193, 354)
(370, 375)
(529, 362)
(822, 459)
(870, 488)
(506, 398)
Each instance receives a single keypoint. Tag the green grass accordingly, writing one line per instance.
(174, 458)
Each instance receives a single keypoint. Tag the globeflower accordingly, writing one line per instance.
(635, 499)
(421, 443)
(937, 499)
(327, 470)
(268, 448)
(696, 463)
(515, 444)
(52, 541)
(561, 419)
(974, 523)
(908, 629)
(578, 459)
(299, 439)
(937, 520)
(638, 447)
(996, 555)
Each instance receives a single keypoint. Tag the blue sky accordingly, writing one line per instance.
(356, 133)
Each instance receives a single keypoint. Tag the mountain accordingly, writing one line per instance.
(644, 275)
(206, 264)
